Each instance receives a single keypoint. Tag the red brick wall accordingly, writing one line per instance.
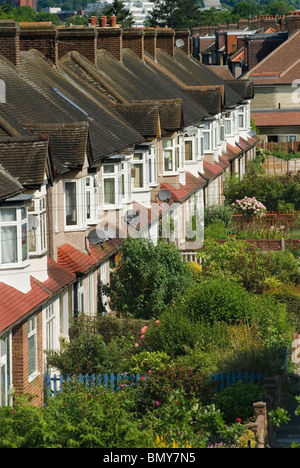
(133, 39)
(183, 34)
(21, 382)
(9, 41)
(43, 40)
(111, 39)
(166, 40)
(150, 41)
(82, 40)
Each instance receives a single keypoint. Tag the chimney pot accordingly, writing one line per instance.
(113, 21)
(102, 21)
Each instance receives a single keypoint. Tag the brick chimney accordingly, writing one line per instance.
(10, 41)
(80, 39)
(42, 37)
(150, 41)
(133, 39)
(183, 35)
(293, 21)
(111, 39)
(166, 40)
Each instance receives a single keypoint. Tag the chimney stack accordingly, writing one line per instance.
(81, 39)
(42, 37)
(150, 41)
(10, 41)
(133, 39)
(183, 36)
(166, 40)
(111, 39)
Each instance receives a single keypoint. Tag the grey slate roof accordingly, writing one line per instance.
(9, 186)
(134, 80)
(25, 159)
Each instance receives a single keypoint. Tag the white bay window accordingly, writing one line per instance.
(13, 236)
(172, 150)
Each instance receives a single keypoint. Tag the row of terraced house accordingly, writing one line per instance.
(104, 133)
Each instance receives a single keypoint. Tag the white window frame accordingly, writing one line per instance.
(33, 333)
(37, 210)
(81, 296)
(92, 200)
(140, 159)
(208, 137)
(228, 118)
(5, 369)
(20, 225)
(242, 115)
(152, 166)
(175, 147)
(80, 198)
(192, 142)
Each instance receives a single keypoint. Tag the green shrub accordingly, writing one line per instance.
(215, 213)
(216, 230)
(237, 401)
(147, 279)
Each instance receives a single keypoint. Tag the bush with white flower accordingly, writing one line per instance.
(249, 207)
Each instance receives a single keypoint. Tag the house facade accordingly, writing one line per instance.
(104, 133)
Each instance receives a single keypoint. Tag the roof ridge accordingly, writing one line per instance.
(269, 56)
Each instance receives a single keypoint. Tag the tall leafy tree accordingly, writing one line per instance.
(124, 16)
(148, 278)
(174, 13)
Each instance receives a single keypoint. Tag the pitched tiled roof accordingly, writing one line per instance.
(72, 138)
(185, 191)
(108, 132)
(278, 118)
(282, 66)
(25, 159)
(134, 80)
(15, 305)
(9, 186)
(77, 261)
(150, 117)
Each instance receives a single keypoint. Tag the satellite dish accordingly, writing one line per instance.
(93, 237)
(164, 195)
(179, 43)
(132, 216)
(105, 233)
(33, 222)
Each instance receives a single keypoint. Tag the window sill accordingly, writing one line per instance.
(14, 266)
(33, 376)
(75, 228)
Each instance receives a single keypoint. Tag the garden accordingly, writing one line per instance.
(177, 325)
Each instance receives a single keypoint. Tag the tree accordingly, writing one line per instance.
(245, 9)
(148, 278)
(124, 16)
(174, 13)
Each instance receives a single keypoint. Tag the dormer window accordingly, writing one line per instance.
(13, 236)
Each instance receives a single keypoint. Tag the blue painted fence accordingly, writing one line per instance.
(225, 380)
(115, 382)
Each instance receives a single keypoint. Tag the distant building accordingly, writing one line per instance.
(139, 9)
(208, 4)
(18, 3)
